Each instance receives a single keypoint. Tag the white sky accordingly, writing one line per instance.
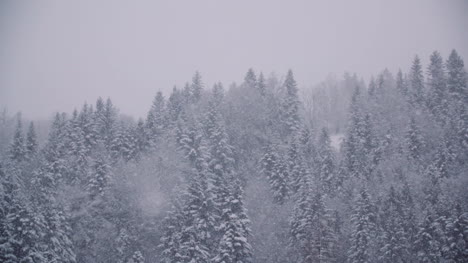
(54, 55)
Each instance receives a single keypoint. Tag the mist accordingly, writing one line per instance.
(57, 54)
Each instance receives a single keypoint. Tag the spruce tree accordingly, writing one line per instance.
(414, 141)
(290, 107)
(417, 92)
(394, 241)
(364, 233)
(456, 248)
(326, 163)
(277, 173)
(250, 79)
(17, 147)
(437, 99)
(156, 121)
(197, 87)
(31, 141)
(312, 233)
(401, 83)
(261, 85)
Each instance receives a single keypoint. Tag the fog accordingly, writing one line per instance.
(54, 55)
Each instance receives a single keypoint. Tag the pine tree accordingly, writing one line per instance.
(290, 109)
(427, 242)
(414, 141)
(456, 249)
(234, 246)
(261, 85)
(395, 244)
(197, 87)
(326, 163)
(31, 141)
(156, 121)
(198, 233)
(457, 84)
(401, 83)
(312, 233)
(172, 225)
(457, 79)
(99, 177)
(437, 100)
(417, 92)
(175, 104)
(364, 230)
(277, 173)
(17, 147)
(250, 79)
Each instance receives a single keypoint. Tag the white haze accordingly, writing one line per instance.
(54, 55)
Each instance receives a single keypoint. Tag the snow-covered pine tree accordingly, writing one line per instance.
(17, 147)
(437, 97)
(156, 121)
(364, 230)
(175, 104)
(417, 91)
(31, 141)
(99, 176)
(401, 83)
(250, 79)
(172, 226)
(456, 247)
(427, 243)
(196, 87)
(414, 141)
(234, 246)
(290, 106)
(274, 168)
(197, 237)
(312, 233)
(394, 240)
(326, 163)
(261, 85)
(457, 84)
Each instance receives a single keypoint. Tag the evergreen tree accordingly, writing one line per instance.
(17, 147)
(277, 173)
(401, 83)
(312, 232)
(290, 110)
(261, 85)
(427, 244)
(417, 92)
(175, 104)
(456, 248)
(364, 230)
(172, 225)
(437, 100)
(414, 141)
(197, 87)
(250, 79)
(395, 244)
(31, 141)
(326, 163)
(99, 177)
(457, 84)
(234, 246)
(156, 121)
(457, 79)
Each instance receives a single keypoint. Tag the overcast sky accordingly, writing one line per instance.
(54, 55)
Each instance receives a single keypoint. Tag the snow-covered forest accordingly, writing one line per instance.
(260, 171)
